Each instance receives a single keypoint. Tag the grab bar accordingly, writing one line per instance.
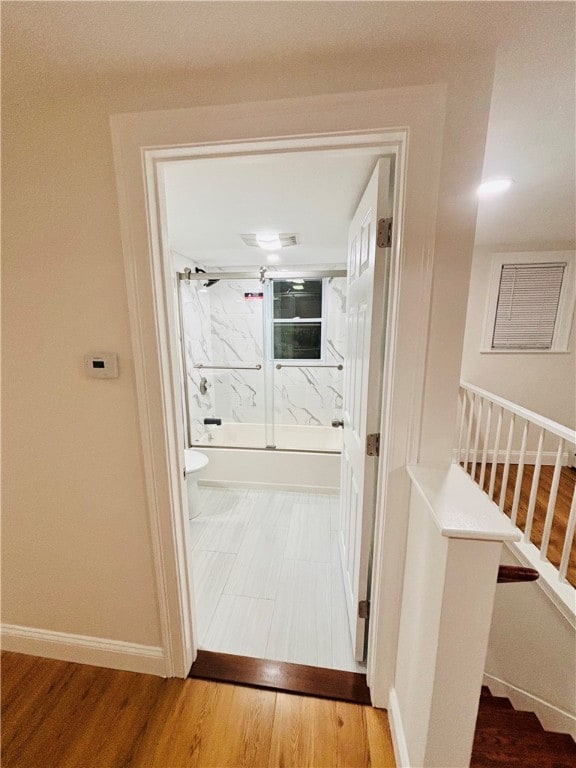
(339, 366)
(256, 367)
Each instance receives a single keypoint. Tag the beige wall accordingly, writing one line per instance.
(77, 555)
(545, 383)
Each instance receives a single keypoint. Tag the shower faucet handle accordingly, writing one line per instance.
(337, 423)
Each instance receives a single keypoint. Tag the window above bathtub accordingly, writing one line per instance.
(298, 319)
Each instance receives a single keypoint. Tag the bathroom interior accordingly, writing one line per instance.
(259, 250)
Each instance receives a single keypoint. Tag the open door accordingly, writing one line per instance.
(368, 257)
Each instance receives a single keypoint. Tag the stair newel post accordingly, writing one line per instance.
(455, 537)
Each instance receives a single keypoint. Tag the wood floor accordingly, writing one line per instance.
(61, 715)
(562, 510)
(268, 580)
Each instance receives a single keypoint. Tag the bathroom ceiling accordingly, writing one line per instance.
(211, 202)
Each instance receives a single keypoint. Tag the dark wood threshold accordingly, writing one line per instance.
(282, 676)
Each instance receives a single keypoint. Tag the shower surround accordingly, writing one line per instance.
(225, 325)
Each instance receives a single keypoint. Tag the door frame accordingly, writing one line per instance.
(407, 123)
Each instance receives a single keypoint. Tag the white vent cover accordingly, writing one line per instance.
(527, 309)
(286, 239)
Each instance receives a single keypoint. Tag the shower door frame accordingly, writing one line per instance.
(392, 119)
(268, 359)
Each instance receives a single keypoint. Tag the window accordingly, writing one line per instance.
(297, 318)
(530, 303)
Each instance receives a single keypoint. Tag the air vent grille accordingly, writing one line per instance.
(286, 239)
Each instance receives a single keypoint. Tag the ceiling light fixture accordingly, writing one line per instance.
(272, 258)
(268, 241)
(496, 186)
(297, 287)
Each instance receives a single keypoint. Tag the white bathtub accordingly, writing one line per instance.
(306, 458)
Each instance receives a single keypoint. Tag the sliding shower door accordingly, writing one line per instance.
(263, 360)
(223, 348)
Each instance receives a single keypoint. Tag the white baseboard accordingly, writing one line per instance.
(397, 731)
(552, 718)
(114, 654)
(325, 489)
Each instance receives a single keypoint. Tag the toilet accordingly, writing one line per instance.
(194, 462)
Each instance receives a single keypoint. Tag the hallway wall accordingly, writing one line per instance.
(76, 542)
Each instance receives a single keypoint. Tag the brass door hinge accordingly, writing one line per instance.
(363, 609)
(384, 233)
(373, 444)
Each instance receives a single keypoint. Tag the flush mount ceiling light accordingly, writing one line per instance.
(492, 187)
(269, 241)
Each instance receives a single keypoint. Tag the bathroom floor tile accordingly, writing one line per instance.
(268, 579)
(240, 625)
(301, 626)
(211, 571)
(256, 569)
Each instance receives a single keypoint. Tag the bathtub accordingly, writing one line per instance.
(306, 458)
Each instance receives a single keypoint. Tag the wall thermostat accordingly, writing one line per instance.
(102, 365)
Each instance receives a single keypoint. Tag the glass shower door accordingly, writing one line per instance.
(223, 332)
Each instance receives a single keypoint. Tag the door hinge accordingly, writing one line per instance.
(384, 234)
(373, 444)
(364, 609)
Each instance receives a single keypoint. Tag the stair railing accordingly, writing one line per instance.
(497, 439)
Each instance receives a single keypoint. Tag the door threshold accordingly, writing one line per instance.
(281, 676)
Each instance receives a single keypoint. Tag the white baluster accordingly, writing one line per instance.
(463, 399)
(495, 454)
(485, 446)
(507, 462)
(552, 501)
(568, 540)
(469, 431)
(534, 488)
(520, 473)
(477, 437)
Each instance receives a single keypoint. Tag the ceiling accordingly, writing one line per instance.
(65, 45)
(62, 48)
(211, 202)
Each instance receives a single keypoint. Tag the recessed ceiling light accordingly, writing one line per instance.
(272, 258)
(494, 186)
(268, 241)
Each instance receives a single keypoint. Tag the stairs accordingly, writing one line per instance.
(507, 738)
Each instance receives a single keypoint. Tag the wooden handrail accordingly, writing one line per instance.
(507, 574)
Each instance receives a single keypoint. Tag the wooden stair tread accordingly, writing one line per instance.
(509, 719)
(508, 738)
(497, 702)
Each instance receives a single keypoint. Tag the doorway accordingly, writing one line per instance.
(280, 564)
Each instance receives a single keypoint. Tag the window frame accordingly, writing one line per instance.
(300, 361)
(564, 315)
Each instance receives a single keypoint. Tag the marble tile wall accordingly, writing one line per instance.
(198, 346)
(237, 338)
(221, 326)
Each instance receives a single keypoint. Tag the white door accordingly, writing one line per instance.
(366, 305)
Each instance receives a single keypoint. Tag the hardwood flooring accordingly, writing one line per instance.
(561, 512)
(61, 715)
(268, 580)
